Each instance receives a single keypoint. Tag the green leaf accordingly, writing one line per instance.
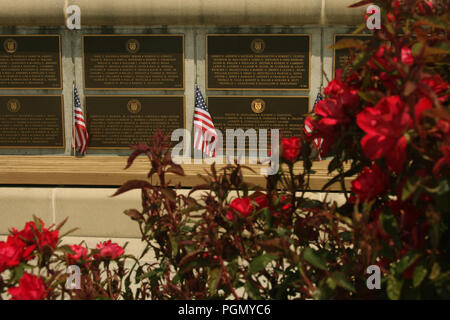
(68, 232)
(233, 268)
(18, 272)
(252, 290)
(331, 283)
(443, 201)
(265, 213)
(394, 288)
(420, 272)
(410, 187)
(176, 279)
(417, 48)
(260, 262)
(213, 281)
(342, 282)
(66, 249)
(389, 225)
(440, 189)
(174, 245)
(435, 271)
(406, 261)
(311, 257)
(361, 59)
(367, 97)
(346, 236)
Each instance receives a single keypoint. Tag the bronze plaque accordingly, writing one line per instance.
(258, 62)
(31, 122)
(262, 112)
(342, 56)
(30, 62)
(116, 122)
(133, 62)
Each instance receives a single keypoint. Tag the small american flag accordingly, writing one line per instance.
(205, 136)
(317, 142)
(79, 131)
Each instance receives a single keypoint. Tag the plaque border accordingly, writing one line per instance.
(131, 35)
(62, 122)
(130, 96)
(60, 61)
(255, 97)
(344, 35)
(256, 35)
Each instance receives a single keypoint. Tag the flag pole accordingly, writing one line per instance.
(73, 121)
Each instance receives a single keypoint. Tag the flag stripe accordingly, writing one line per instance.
(81, 135)
(205, 134)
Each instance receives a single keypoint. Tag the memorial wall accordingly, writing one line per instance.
(133, 80)
(135, 65)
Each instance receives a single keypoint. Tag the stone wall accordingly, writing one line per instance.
(195, 67)
(91, 208)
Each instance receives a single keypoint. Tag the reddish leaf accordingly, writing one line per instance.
(139, 149)
(170, 194)
(361, 3)
(133, 213)
(132, 184)
(176, 169)
(348, 43)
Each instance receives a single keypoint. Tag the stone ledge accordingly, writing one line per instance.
(109, 171)
(92, 210)
(175, 12)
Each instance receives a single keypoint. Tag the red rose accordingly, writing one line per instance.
(370, 183)
(30, 288)
(229, 215)
(422, 105)
(48, 239)
(331, 111)
(13, 251)
(29, 232)
(385, 125)
(9, 255)
(438, 85)
(108, 250)
(425, 8)
(334, 87)
(80, 255)
(349, 100)
(286, 203)
(262, 201)
(31, 235)
(241, 205)
(407, 57)
(380, 58)
(291, 149)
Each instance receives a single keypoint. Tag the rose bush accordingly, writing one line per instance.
(385, 125)
(34, 264)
